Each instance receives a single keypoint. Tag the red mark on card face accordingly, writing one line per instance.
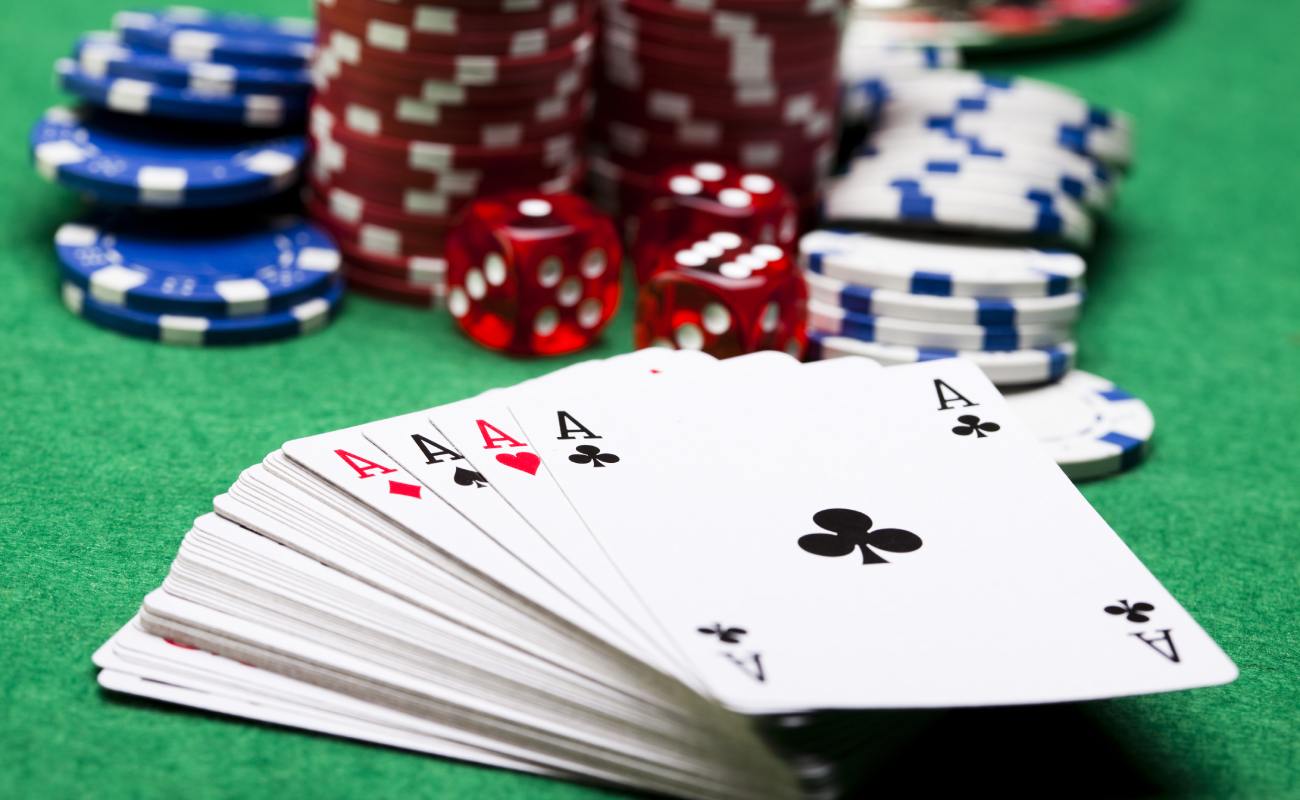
(524, 462)
(493, 436)
(408, 489)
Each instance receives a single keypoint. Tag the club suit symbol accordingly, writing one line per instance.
(972, 424)
(591, 454)
(851, 530)
(1133, 612)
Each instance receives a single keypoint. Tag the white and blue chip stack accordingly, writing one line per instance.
(184, 111)
(956, 228)
(954, 151)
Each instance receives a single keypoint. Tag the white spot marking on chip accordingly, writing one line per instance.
(768, 252)
(755, 183)
(771, 316)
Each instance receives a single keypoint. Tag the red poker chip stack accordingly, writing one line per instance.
(752, 83)
(422, 106)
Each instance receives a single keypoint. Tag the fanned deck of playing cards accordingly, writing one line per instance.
(663, 572)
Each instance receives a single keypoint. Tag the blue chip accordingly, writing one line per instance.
(1005, 368)
(120, 160)
(306, 317)
(222, 38)
(146, 98)
(102, 55)
(300, 29)
(836, 320)
(147, 266)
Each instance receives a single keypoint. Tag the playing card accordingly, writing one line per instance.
(868, 540)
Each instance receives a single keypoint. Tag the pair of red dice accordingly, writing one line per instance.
(540, 274)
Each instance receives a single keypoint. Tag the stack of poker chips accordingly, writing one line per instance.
(956, 229)
(186, 111)
(745, 82)
(419, 109)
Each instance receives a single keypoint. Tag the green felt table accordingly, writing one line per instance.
(112, 445)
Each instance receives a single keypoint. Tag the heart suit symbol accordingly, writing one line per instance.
(524, 462)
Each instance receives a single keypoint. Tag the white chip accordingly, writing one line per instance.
(1090, 427)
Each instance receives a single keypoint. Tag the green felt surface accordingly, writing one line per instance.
(112, 445)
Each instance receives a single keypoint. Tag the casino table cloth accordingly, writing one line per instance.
(112, 445)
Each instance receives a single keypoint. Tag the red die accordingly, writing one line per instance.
(533, 274)
(724, 295)
(692, 201)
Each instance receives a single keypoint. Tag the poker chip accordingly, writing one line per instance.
(305, 317)
(969, 92)
(150, 266)
(1034, 214)
(201, 19)
(1091, 427)
(746, 82)
(222, 38)
(145, 98)
(1004, 26)
(393, 290)
(1002, 172)
(988, 312)
(941, 268)
(1004, 368)
(120, 160)
(101, 54)
(419, 109)
(1106, 144)
(836, 321)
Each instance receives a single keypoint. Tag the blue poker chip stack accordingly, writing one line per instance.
(184, 112)
(956, 224)
(955, 228)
